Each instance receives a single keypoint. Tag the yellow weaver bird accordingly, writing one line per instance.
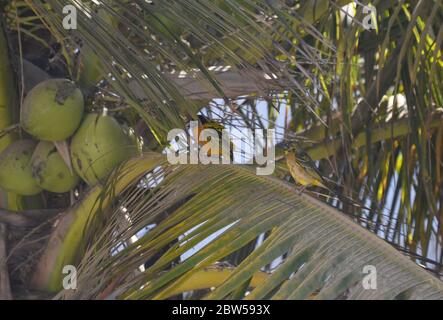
(303, 169)
(305, 172)
(205, 123)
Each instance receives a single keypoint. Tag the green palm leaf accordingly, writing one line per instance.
(215, 211)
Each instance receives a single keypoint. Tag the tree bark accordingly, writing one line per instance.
(5, 287)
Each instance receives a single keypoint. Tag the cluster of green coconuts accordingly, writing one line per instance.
(54, 111)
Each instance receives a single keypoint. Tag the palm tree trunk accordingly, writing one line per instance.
(5, 288)
(8, 103)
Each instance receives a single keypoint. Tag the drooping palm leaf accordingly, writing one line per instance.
(210, 212)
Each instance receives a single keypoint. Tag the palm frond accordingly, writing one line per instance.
(202, 214)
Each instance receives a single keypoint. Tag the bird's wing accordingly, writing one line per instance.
(305, 161)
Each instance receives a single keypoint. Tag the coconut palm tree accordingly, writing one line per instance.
(356, 85)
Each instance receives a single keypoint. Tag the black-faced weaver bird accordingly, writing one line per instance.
(206, 123)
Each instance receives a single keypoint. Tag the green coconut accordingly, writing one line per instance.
(99, 145)
(52, 110)
(50, 170)
(15, 168)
